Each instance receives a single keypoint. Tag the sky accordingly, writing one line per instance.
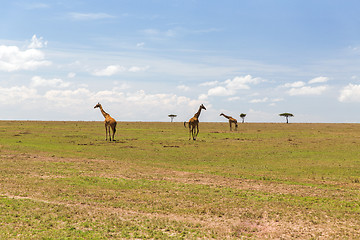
(143, 60)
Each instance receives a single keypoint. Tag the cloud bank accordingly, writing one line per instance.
(230, 87)
(115, 69)
(42, 93)
(12, 58)
(301, 88)
(350, 93)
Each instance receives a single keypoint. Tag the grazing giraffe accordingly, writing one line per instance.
(194, 123)
(231, 120)
(109, 122)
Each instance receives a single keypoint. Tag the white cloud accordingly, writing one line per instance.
(14, 59)
(90, 16)
(319, 80)
(65, 98)
(233, 98)
(299, 84)
(209, 84)
(37, 42)
(121, 86)
(229, 87)
(220, 91)
(203, 97)
(260, 100)
(114, 69)
(277, 100)
(37, 81)
(242, 82)
(272, 101)
(17, 94)
(350, 93)
(112, 96)
(307, 90)
(76, 102)
(183, 87)
(141, 98)
(109, 70)
(294, 84)
(301, 88)
(138, 69)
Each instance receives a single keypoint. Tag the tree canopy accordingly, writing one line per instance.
(286, 115)
(243, 115)
(172, 116)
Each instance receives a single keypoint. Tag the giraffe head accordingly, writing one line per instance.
(97, 105)
(221, 114)
(202, 106)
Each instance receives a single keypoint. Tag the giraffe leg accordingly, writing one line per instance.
(113, 131)
(197, 131)
(109, 132)
(193, 132)
(106, 130)
(190, 131)
(230, 126)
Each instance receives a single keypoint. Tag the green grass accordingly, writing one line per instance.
(62, 180)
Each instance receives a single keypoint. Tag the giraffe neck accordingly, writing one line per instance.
(198, 113)
(226, 116)
(105, 114)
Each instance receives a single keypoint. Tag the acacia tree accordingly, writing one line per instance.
(286, 115)
(243, 115)
(172, 116)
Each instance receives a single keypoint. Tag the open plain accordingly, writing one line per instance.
(62, 180)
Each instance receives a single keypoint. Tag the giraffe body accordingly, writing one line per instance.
(231, 121)
(110, 123)
(194, 123)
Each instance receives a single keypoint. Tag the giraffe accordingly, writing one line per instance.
(194, 123)
(231, 120)
(109, 122)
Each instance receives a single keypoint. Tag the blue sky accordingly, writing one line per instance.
(144, 59)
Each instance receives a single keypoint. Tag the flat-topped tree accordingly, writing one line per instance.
(243, 115)
(286, 115)
(172, 116)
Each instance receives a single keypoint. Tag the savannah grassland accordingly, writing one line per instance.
(61, 180)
